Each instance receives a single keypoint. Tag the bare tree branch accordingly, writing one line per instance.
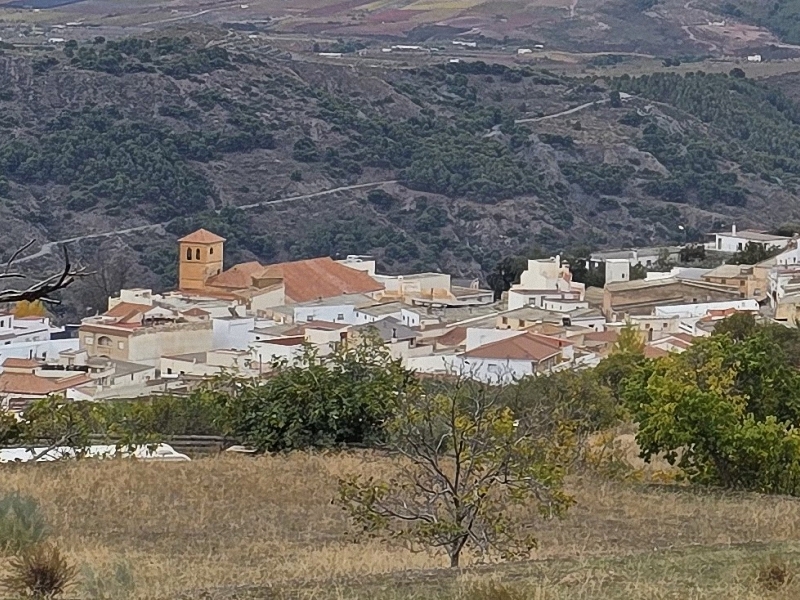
(42, 289)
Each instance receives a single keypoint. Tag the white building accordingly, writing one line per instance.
(545, 279)
(736, 241)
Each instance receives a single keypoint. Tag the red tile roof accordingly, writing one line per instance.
(127, 309)
(653, 352)
(20, 363)
(237, 277)
(27, 383)
(608, 336)
(519, 347)
(195, 312)
(455, 337)
(202, 236)
(306, 280)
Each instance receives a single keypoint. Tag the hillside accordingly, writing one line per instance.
(252, 528)
(474, 161)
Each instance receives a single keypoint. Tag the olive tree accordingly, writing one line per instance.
(467, 470)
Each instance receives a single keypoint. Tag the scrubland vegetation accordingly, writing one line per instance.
(642, 478)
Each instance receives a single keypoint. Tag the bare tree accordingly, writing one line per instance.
(41, 289)
(469, 472)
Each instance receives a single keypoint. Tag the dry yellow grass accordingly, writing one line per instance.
(223, 523)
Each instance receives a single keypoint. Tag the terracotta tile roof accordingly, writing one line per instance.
(300, 328)
(26, 383)
(195, 312)
(202, 236)
(306, 280)
(126, 310)
(551, 341)
(608, 336)
(20, 363)
(653, 352)
(519, 347)
(297, 340)
(237, 277)
(455, 337)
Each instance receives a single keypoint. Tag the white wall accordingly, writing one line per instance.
(480, 337)
(232, 334)
(409, 318)
(342, 313)
(563, 306)
(698, 310)
(618, 270)
(148, 348)
(266, 353)
(790, 257)
(517, 299)
(46, 349)
(728, 242)
(494, 371)
(364, 318)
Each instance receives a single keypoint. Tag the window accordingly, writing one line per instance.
(104, 341)
(340, 317)
(739, 246)
(505, 320)
(88, 340)
(197, 254)
(188, 254)
(211, 251)
(309, 318)
(493, 368)
(719, 243)
(121, 345)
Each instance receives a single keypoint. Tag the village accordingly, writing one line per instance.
(244, 320)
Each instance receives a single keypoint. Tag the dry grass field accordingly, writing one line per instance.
(266, 528)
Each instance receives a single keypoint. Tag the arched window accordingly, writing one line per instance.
(197, 254)
(188, 254)
(211, 250)
(104, 341)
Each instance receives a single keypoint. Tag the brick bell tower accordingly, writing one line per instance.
(200, 258)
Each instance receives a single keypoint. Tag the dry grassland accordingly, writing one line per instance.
(265, 528)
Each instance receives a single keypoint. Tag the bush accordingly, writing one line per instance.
(22, 524)
(116, 584)
(41, 573)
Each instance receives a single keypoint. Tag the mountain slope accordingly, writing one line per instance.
(180, 131)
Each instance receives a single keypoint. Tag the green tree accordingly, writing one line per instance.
(315, 401)
(626, 356)
(724, 412)
(469, 467)
(506, 273)
(753, 253)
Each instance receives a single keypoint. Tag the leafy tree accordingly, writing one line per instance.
(316, 401)
(506, 273)
(692, 253)
(614, 99)
(26, 308)
(638, 271)
(468, 468)
(724, 412)
(738, 326)
(753, 253)
(625, 357)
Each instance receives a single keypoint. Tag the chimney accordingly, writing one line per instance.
(733, 229)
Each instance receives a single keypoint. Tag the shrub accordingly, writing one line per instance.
(118, 583)
(40, 572)
(493, 590)
(774, 575)
(22, 524)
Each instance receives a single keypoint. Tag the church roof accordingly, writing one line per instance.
(202, 236)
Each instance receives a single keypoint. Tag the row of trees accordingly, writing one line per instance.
(472, 460)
